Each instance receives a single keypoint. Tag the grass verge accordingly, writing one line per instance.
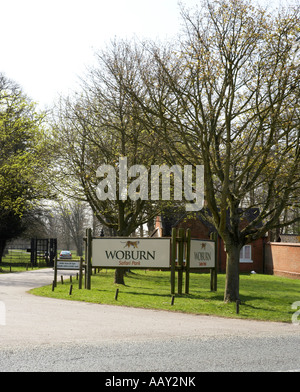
(263, 297)
(8, 268)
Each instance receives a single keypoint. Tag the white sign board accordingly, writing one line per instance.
(202, 254)
(68, 265)
(131, 252)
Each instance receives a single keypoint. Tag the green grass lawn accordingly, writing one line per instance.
(15, 261)
(18, 260)
(263, 297)
(5, 269)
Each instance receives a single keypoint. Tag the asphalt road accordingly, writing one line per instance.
(42, 334)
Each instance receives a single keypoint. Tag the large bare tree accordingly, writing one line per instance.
(99, 127)
(232, 104)
(227, 97)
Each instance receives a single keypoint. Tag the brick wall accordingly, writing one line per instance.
(198, 229)
(282, 259)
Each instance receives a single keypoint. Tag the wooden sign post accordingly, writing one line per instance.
(214, 271)
(68, 266)
(180, 259)
(88, 256)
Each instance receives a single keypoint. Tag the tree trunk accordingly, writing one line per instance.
(232, 284)
(2, 247)
(119, 276)
(122, 232)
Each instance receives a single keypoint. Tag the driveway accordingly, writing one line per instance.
(37, 322)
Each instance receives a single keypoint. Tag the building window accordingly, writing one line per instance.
(246, 254)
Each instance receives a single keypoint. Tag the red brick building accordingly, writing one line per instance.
(252, 255)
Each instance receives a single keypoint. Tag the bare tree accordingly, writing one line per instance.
(97, 128)
(232, 104)
(74, 215)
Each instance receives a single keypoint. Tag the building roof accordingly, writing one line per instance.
(171, 218)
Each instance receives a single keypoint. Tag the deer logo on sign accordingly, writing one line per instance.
(128, 244)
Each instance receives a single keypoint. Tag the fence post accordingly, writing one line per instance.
(55, 272)
(216, 262)
(86, 254)
(33, 258)
(80, 273)
(187, 261)
(89, 258)
(173, 259)
(180, 258)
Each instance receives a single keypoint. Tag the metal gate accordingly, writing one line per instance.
(43, 251)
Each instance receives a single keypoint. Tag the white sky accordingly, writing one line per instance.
(46, 44)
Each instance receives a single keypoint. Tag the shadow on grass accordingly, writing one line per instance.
(196, 297)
